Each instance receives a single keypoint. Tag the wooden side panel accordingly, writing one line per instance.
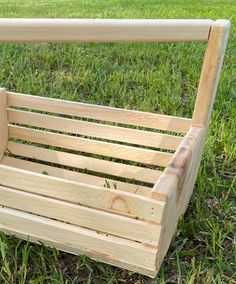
(97, 220)
(85, 163)
(3, 122)
(210, 74)
(102, 30)
(100, 148)
(98, 130)
(87, 241)
(103, 113)
(109, 199)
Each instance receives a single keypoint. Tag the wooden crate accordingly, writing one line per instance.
(99, 180)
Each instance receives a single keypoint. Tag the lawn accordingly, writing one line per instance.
(151, 77)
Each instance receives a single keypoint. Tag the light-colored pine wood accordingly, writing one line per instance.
(109, 199)
(3, 122)
(84, 163)
(91, 146)
(210, 74)
(100, 30)
(103, 113)
(97, 220)
(134, 221)
(98, 130)
(73, 249)
(177, 184)
(176, 170)
(84, 239)
(75, 175)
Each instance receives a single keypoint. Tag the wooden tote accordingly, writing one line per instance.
(57, 185)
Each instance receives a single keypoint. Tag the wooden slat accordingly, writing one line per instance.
(74, 175)
(86, 240)
(102, 30)
(98, 130)
(82, 216)
(83, 194)
(3, 122)
(151, 272)
(130, 117)
(91, 146)
(83, 162)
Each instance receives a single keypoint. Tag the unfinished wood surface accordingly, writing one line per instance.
(175, 173)
(144, 156)
(103, 113)
(84, 239)
(97, 130)
(90, 218)
(210, 73)
(121, 224)
(84, 163)
(77, 251)
(87, 195)
(182, 171)
(103, 30)
(75, 175)
(3, 122)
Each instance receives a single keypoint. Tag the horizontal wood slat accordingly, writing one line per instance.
(83, 194)
(91, 146)
(86, 240)
(85, 163)
(103, 30)
(111, 114)
(82, 216)
(73, 249)
(74, 175)
(121, 134)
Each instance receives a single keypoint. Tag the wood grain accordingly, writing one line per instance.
(84, 163)
(98, 220)
(113, 200)
(210, 73)
(97, 130)
(102, 30)
(103, 113)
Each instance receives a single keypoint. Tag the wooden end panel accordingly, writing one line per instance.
(178, 197)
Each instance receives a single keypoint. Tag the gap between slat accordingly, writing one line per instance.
(82, 162)
(129, 117)
(115, 133)
(124, 152)
(75, 176)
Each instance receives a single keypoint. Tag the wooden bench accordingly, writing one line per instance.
(102, 181)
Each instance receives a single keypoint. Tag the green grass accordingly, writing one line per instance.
(152, 77)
